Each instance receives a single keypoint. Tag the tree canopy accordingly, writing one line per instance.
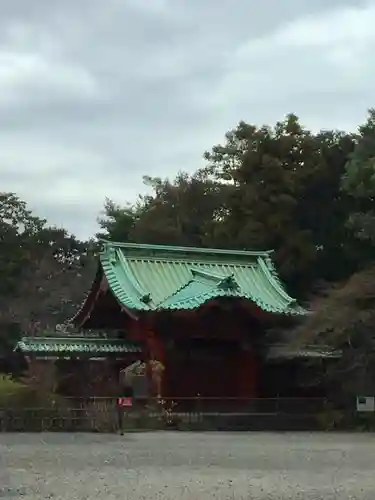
(359, 181)
(44, 272)
(277, 188)
(307, 195)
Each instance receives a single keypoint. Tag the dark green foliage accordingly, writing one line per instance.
(18, 230)
(264, 188)
(359, 181)
(44, 272)
(117, 223)
(309, 196)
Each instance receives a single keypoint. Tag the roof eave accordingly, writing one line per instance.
(29, 346)
(89, 301)
(287, 352)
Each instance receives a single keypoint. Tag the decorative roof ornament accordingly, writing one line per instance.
(229, 283)
(146, 298)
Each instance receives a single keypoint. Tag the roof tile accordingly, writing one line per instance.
(186, 277)
(79, 345)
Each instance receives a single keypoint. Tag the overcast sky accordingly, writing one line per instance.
(96, 93)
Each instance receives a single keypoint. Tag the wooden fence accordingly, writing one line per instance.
(103, 415)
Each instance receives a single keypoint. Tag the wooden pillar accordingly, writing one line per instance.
(156, 357)
(155, 345)
(154, 351)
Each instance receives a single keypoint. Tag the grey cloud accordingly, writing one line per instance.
(94, 94)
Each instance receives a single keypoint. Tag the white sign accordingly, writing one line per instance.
(366, 403)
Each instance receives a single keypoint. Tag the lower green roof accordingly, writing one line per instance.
(285, 351)
(156, 278)
(75, 345)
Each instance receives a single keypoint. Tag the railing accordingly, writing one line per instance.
(246, 405)
(102, 414)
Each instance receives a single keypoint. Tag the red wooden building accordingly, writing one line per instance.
(202, 313)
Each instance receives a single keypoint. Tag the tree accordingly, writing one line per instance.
(44, 271)
(323, 207)
(264, 188)
(117, 223)
(359, 181)
(180, 212)
(176, 213)
(18, 228)
(53, 285)
(280, 184)
(344, 319)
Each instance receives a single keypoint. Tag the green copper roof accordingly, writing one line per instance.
(75, 345)
(285, 351)
(154, 278)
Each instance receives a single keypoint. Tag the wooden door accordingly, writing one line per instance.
(208, 368)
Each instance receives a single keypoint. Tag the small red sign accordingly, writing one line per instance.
(125, 402)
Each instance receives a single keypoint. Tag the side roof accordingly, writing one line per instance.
(75, 345)
(158, 277)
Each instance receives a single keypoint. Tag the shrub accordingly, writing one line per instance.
(330, 419)
(10, 390)
(18, 394)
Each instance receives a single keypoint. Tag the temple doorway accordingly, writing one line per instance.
(204, 367)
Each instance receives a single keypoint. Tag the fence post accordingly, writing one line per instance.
(277, 405)
(198, 407)
(120, 419)
(3, 418)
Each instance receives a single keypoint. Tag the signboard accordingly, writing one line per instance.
(125, 402)
(365, 403)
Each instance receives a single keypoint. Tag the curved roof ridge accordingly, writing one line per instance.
(269, 270)
(116, 285)
(139, 290)
(86, 306)
(204, 297)
(178, 290)
(188, 249)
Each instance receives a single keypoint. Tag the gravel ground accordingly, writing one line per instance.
(195, 466)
